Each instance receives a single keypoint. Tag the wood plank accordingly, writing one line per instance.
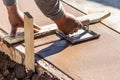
(29, 42)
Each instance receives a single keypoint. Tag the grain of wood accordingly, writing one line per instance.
(29, 41)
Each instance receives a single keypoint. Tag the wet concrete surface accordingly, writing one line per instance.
(92, 6)
(115, 3)
(93, 60)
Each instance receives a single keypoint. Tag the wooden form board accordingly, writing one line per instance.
(29, 42)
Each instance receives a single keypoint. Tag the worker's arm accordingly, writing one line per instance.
(53, 9)
(15, 16)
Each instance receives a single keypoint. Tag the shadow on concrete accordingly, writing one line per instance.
(113, 3)
(53, 49)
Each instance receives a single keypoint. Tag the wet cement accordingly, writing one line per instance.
(93, 60)
(92, 6)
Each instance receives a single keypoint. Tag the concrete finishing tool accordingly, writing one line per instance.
(51, 29)
(84, 34)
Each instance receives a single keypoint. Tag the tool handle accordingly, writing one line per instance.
(94, 17)
(85, 22)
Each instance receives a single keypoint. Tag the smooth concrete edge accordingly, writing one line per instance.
(52, 69)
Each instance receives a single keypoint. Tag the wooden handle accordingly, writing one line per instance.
(94, 17)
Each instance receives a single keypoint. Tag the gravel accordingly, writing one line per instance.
(10, 70)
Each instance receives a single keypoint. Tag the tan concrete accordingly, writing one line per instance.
(91, 6)
(4, 23)
(94, 60)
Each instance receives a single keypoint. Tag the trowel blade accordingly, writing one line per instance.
(81, 35)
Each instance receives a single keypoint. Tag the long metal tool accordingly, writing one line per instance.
(81, 35)
(84, 34)
(50, 29)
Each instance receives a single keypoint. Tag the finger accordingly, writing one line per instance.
(71, 32)
(80, 25)
(36, 26)
(36, 30)
(75, 30)
(13, 31)
(76, 27)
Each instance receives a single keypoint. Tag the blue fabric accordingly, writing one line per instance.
(9, 2)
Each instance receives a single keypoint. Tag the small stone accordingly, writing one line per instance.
(11, 65)
(19, 71)
(35, 77)
(30, 74)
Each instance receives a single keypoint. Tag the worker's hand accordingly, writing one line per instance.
(16, 19)
(68, 24)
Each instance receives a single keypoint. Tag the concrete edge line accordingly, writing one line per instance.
(52, 69)
(102, 22)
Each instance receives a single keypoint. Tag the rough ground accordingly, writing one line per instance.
(10, 70)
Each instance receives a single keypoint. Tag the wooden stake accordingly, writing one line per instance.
(29, 41)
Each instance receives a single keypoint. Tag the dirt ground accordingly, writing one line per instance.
(10, 70)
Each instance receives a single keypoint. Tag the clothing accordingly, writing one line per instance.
(9, 2)
(50, 8)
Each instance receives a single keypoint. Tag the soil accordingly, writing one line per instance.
(10, 70)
